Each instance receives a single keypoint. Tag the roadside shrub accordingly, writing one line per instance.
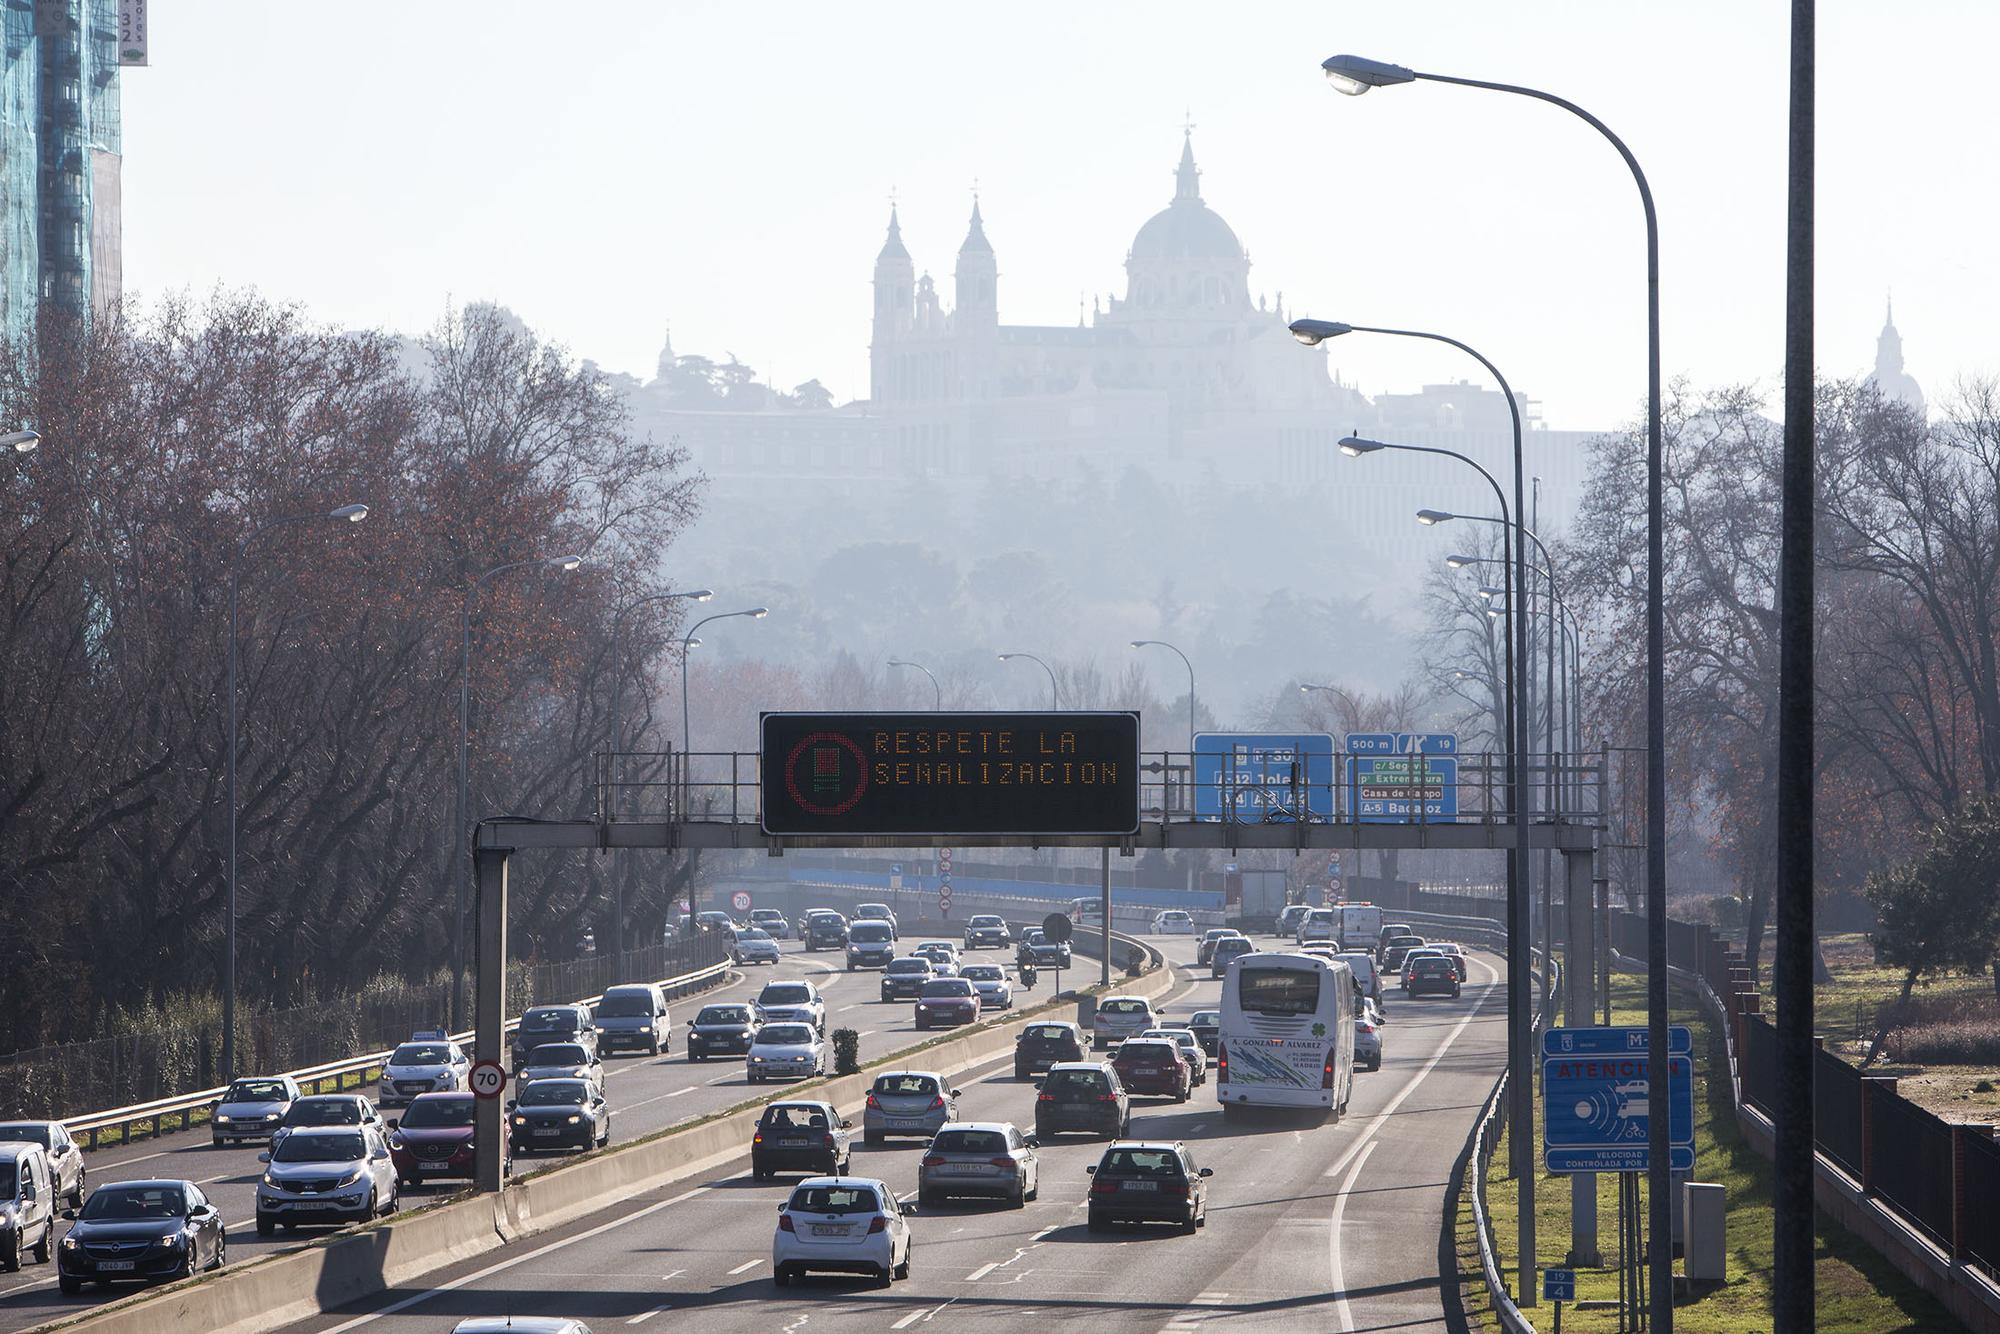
(846, 1051)
(1966, 1042)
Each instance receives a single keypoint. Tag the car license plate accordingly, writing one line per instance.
(313, 1204)
(960, 1169)
(115, 1266)
(905, 1123)
(829, 1229)
(1142, 1185)
(433, 1167)
(794, 1143)
(547, 1130)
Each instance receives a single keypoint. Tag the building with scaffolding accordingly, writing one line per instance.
(61, 149)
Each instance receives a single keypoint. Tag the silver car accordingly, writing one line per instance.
(1368, 1037)
(980, 1158)
(1121, 1017)
(908, 1102)
(943, 956)
(424, 1064)
(990, 981)
(755, 946)
(785, 1051)
(562, 1060)
(325, 1174)
(252, 1108)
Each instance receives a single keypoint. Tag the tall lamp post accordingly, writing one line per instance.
(352, 514)
(461, 863)
(1055, 700)
(688, 641)
(937, 691)
(21, 442)
(1520, 869)
(611, 730)
(1355, 75)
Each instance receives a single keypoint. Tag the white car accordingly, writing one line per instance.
(1121, 1017)
(754, 946)
(325, 1174)
(1191, 1050)
(252, 1108)
(843, 1225)
(990, 981)
(792, 1002)
(562, 1060)
(426, 1063)
(785, 1051)
(1172, 922)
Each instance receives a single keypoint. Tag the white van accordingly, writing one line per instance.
(27, 1205)
(1366, 975)
(634, 1016)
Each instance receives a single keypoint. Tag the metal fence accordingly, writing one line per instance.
(1980, 1238)
(1760, 1065)
(1837, 1112)
(176, 1059)
(1909, 1159)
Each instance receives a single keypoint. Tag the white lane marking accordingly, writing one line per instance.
(1336, 1272)
(845, 1008)
(417, 1297)
(982, 1271)
(1416, 1079)
(676, 1274)
(744, 1268)
(658, 1097)
(866, 1033)
(644, 1316)
(908, 1320)
(219, 1176)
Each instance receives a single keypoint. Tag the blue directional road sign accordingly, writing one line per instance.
(1263, 777)
(1611, 1041)
(1402, 777)
(1596, 1113)
(1558, 1285)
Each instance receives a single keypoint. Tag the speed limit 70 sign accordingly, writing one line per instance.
(487, 1079)
(740, 900)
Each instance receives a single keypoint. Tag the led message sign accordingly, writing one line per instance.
(951, 773)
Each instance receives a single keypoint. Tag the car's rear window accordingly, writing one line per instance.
(1124, 1007)
(969, 1141)
(1051, 1033)
(1207, 1018)
(795, 1117)
(1143, 1162)
(1435, 963)
(1233, 945)
(835, 1200)
(906, 1085)
(1086, 1081)
(947, 987)
(1149, 1049)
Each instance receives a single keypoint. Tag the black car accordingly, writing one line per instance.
(558, 1114)
(1139, 1182)
(824, 929)
(135, 1231)
(1041, 1045)
(1037, 949)
(1431, 972)
(1207, 1027)
(1081, 1095)
(986, 930)
(722, 1030)
(552, 1023)
(807, 1137)
(904, 978)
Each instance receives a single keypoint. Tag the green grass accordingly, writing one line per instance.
(1858, 1290)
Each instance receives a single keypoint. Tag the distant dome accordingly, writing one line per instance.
(1186, 229)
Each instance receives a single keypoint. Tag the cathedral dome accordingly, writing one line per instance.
(1186, 229)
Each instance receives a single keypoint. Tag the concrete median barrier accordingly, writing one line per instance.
(266, 1293)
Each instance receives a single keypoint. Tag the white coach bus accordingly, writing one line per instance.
(1287, 1036)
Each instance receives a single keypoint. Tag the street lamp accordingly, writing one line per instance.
(1353, 709)
(1355, 75)
(611, 731)
(688, 641)
(937, 691)
(351, 513)
(21, 442)
(1054, 698)
(462, 864)
(1161, 643)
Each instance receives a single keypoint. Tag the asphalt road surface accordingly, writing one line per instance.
(645, 1093)
(1320, 1226)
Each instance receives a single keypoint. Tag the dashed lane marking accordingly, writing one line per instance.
(1336, 1271)
(744, 1268)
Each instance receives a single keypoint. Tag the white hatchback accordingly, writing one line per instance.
(1172, 922)
(785, 1051)
(841, 1225)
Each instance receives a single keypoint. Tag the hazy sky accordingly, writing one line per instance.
(612, 169)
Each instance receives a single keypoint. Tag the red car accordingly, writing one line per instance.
(947, 1001)
(1153, 1066)
(433, 1138)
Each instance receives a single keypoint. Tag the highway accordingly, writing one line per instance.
(1316, 1226)
(645, 1093)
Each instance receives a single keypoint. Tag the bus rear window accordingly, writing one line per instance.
(1278, 990)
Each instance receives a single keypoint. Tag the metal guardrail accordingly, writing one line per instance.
(156, 1116)
(1483, 1144)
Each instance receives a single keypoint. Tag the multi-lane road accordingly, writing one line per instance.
(645, 1094)
(1311, 1226)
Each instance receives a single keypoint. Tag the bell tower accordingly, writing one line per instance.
(895, 303)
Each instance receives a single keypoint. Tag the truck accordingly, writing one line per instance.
(1252, 900)
(1356, 925)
